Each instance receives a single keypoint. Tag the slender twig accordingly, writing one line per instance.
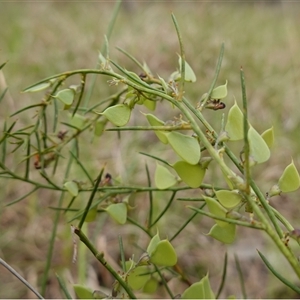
(278, 275)
(164, 210)
(54, 232)
(23, 280)
(223, 277)
(241, 277)
(182, 55)
(122, 253)
(150, 196)
(100, 257)
(63, 286)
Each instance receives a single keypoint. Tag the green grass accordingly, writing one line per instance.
(41, 39)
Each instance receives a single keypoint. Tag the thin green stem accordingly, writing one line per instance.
(223, 276)
(100, 257)
(184, 225)
(63, 286)
(241, 277)
(278, 275)
(182, 54)
(218, 68)
(165, 284)
(246, 140)
(150, 216)
(122, 253)
(88, 206)
(53, 235)
(152, 128)
(250, 224)
(132, 221)
(164, 210)
(23, 196)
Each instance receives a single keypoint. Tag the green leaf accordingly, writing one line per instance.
(38, 87)
(259, 150)
(78, 121)
(66, 96)
(224, 234)
(189, 73)
(192, 175)
(164, 254)
(137, 277)
(91, 215)
(219, 92)
(99, 128)
(154, 121)
(216, 209)
(289, 180)
(164, 85)
(229, 199)
(199, 290)
(151, 105)
(234, 124)
(151, 286)
(72, 188)
(83, 292)
(185, 146)
(118, 114)
(153, 244)
(268, 137)
(118, 211)
(163, 177)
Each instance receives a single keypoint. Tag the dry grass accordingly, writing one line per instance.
(41, 39)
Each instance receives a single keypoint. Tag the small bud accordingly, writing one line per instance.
(274, 191)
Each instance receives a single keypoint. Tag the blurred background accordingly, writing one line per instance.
(40, 39)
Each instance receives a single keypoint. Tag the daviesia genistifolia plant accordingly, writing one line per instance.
(195, 142)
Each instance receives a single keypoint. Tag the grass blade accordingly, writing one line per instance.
(278, 275)
(63, 286)
(241, 277)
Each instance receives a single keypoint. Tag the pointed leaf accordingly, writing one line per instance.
(151, 286)
(72, 188)
(234, 124)
(118, 114)
(83, 292)
(224, 234)
(91, 215)
(216, 209)
(78, 121)
(199, 290)
(189, 73)
(138, 277)
(192, 175)
(163, 177)
(151, 105)
(185, 146)
(99, 128)
(153, 244)
(229, 199)
(66, 96)
(289, 180)
(259, 150)
(38, 87)
(154, 121)
(219, 92)
(118, 212)
(163, 84)
(268, 136)
(164, 254)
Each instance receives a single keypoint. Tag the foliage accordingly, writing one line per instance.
(54, 152)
